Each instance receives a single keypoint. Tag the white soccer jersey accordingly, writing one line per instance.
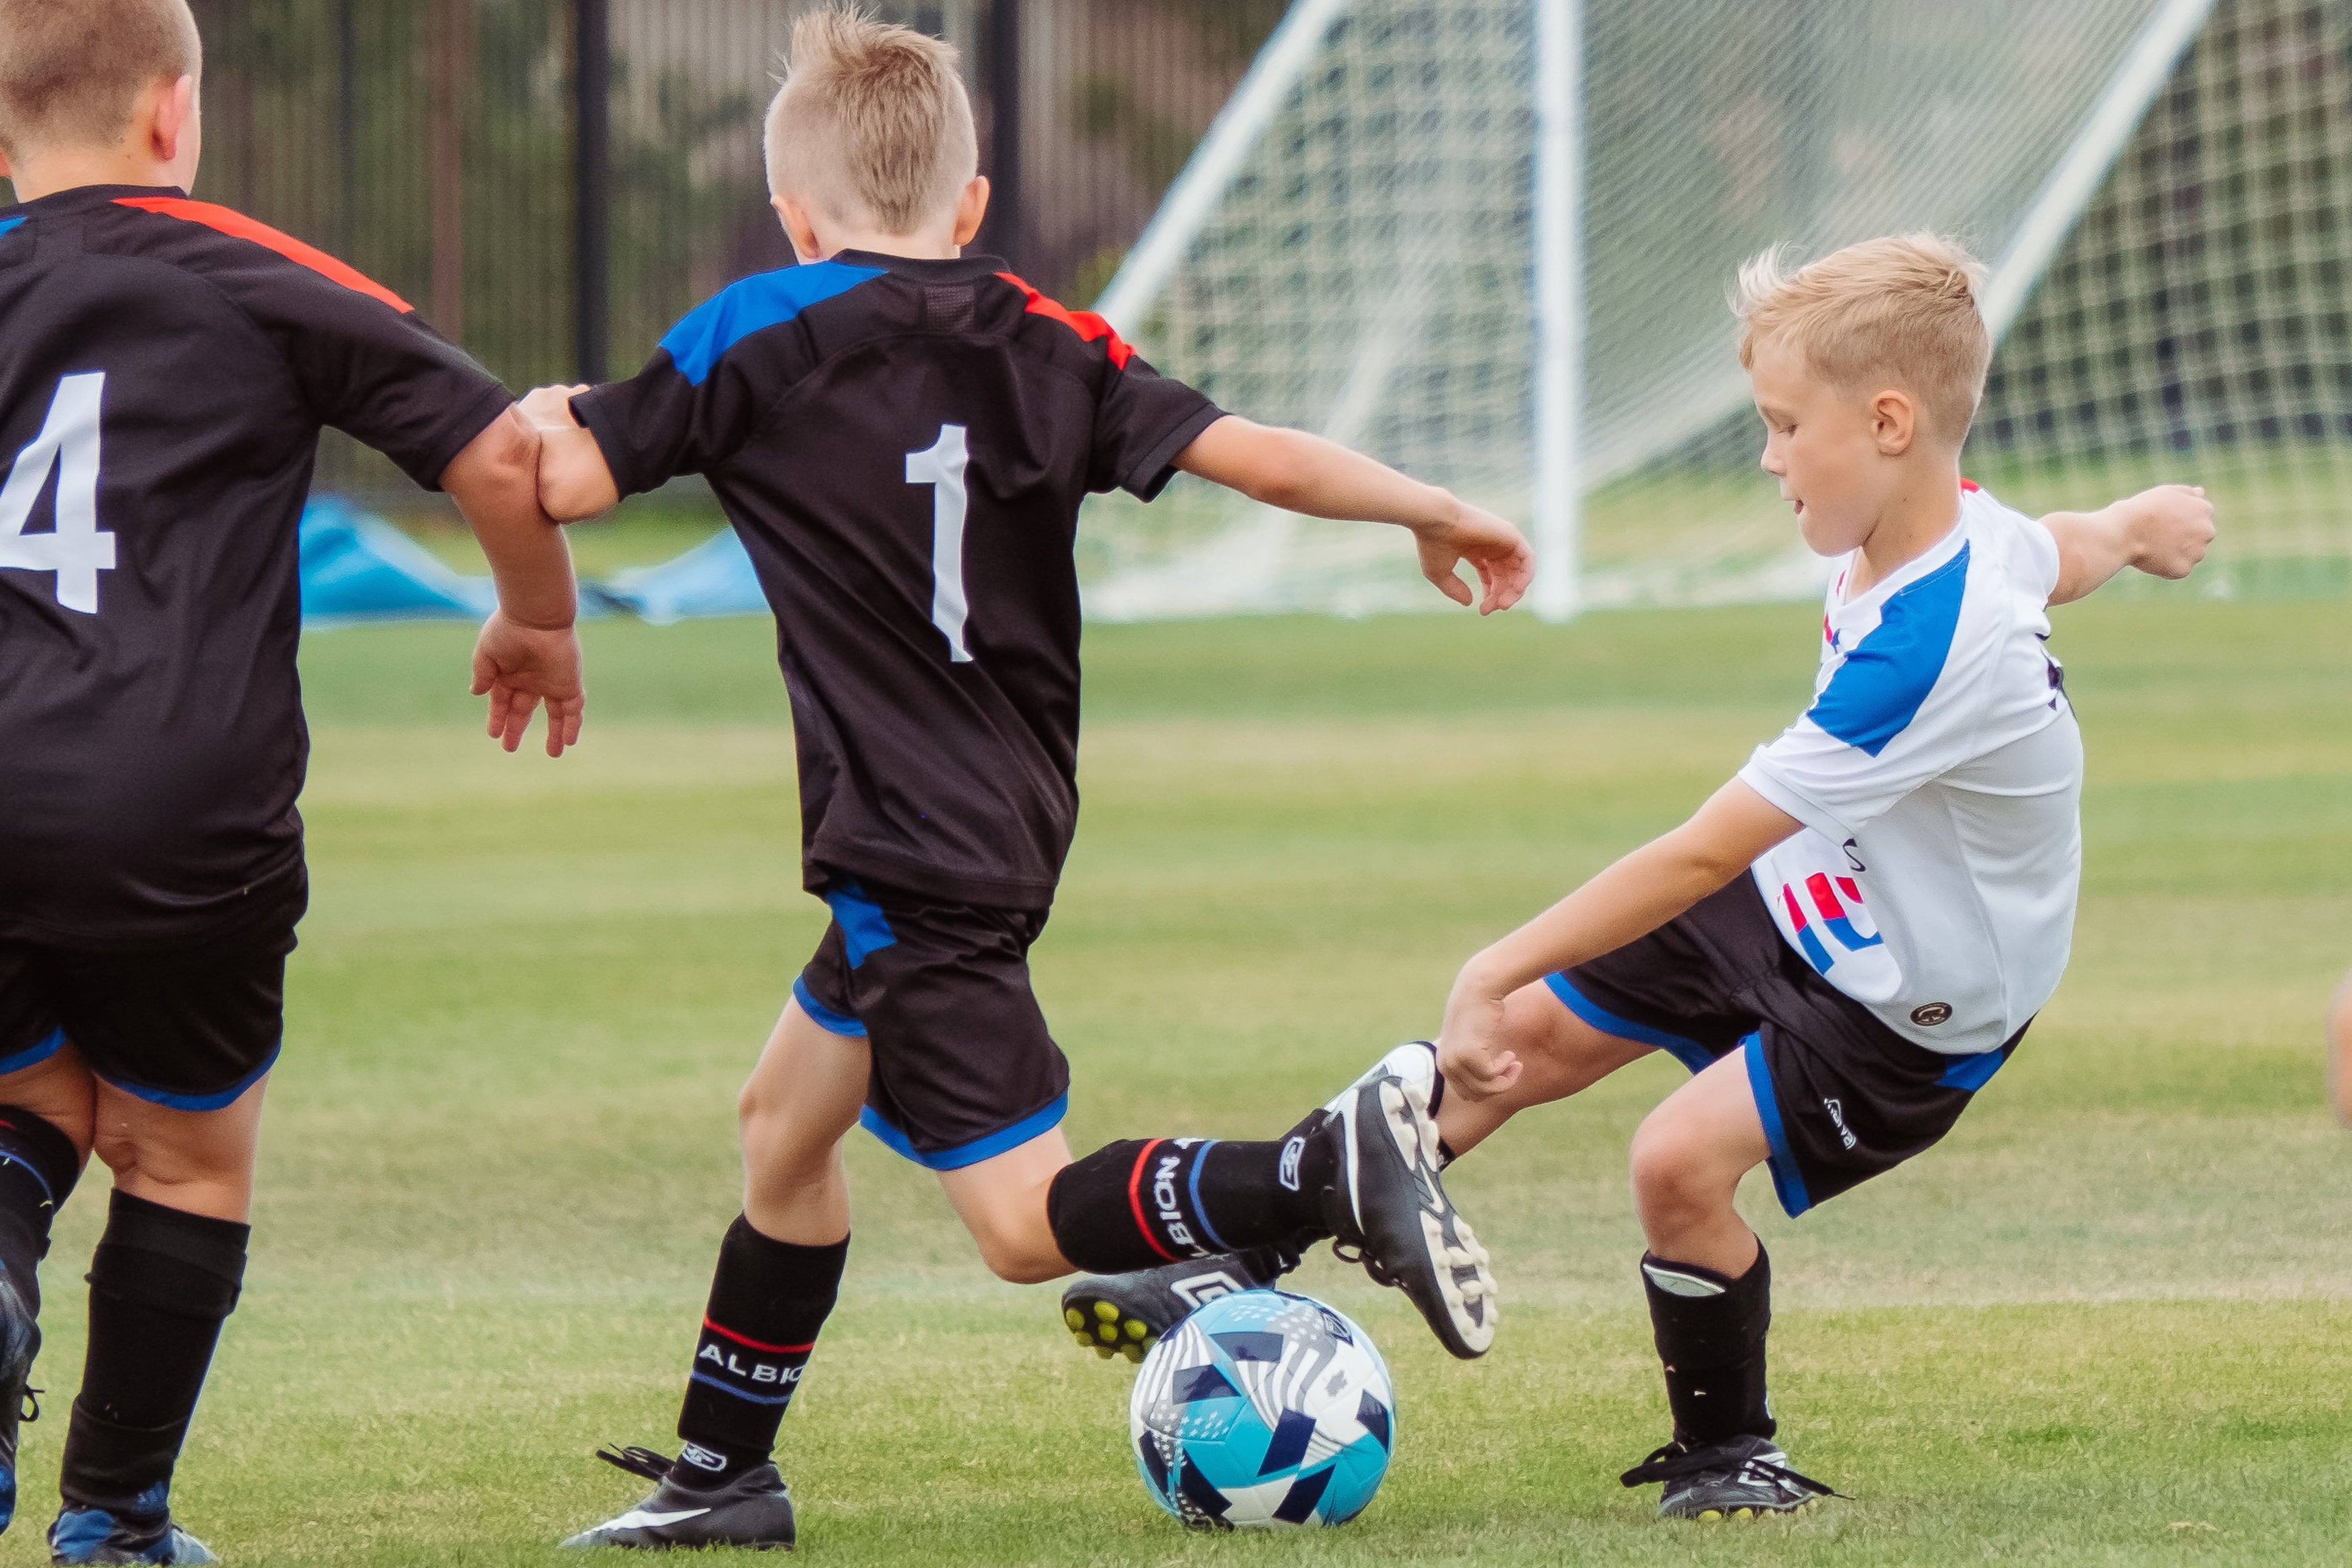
(1938, 774)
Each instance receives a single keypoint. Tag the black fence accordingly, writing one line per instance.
(554, 182)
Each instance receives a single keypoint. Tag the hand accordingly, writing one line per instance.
(2171, 528)
(1497, 551)
(1472, 1059)
(545, 408)
(521, 666)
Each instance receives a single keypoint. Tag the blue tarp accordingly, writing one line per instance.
(357, 567)
(714, 578)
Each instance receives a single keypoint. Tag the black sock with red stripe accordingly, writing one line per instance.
(1143, 1202)
(768, 1299)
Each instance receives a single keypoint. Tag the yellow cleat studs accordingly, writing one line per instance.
(1710, 1515)
(1102, 1350)
(1136, 1330)
(1133, 1353)
(1076, 1319)
(1107, 1333)
(1106, 1311)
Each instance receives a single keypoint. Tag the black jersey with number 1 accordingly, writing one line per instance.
(903, 446)
(165, 366)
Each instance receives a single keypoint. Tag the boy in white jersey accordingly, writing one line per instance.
(1849, 938)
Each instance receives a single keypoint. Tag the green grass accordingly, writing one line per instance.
(2108, 1320)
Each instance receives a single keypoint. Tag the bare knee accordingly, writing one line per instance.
(1677, 1178)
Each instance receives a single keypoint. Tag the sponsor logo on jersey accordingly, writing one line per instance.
(1830, 925)
(1927, 1014)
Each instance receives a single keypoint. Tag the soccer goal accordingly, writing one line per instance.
(1490, 241)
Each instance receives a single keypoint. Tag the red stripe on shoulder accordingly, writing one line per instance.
(1085, 323)
(1970, 486)
(231, 222)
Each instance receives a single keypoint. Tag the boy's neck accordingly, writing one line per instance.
(1922, 513)
(66, 169)
(940, 246)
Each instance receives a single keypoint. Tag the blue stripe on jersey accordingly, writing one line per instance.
(10, 224)
(766, 299)
(1972, 1073)
(1877, 691)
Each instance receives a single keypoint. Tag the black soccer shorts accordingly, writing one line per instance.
(192, 1027)
(1841, 1096)
(964, 1068)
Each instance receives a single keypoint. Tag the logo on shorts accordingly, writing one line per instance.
(1837, 1114)
(1927, 1014)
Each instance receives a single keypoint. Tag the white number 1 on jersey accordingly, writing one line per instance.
(68, 443)
(941, 466)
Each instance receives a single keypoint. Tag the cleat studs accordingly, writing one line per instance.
(1107, 1333)
(1150, 1342)
(1743, 1513)
(1076, 1319)
(1137, 1330)
(1106, 1310)
(1710, 1515)
(1102, 1350)
(1133, 1353)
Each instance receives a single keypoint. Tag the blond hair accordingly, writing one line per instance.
(872, 122)
(1896, 311)
(70, 70)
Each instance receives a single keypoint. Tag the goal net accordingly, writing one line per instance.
(1379, 241)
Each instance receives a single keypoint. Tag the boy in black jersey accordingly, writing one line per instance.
(902, 436)
(165, 366)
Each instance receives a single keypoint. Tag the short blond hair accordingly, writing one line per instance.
(70, 70)
(1896, 311)
(872, 122)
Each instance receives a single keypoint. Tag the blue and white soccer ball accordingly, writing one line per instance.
(1263, 1409)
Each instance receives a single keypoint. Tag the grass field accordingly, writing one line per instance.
(2108, 1321)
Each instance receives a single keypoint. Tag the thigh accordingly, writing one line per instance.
(964, 1069)
(197, 1160)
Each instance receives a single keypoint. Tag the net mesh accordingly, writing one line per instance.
(1369, 275)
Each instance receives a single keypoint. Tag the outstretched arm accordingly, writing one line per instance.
(1298, 472)
(574, 480)
(527, 653)
(2163, 531)
(1629, 900)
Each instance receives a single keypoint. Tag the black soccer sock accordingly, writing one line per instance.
(38, 1166)
(1710, 1333)
(768, 1299)
(1139, 1203)
(161, 1285)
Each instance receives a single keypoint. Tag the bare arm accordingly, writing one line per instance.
(527, 653)
(574, 480)
(2164, 532)
(1298, 472)
(1629, 900)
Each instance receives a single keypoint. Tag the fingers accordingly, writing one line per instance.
(1448, 583)
(1507, 580)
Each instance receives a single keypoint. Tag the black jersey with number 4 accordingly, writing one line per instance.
(903, 446)
(165, 366)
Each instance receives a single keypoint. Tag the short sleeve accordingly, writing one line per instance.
(1142, 420)
(661, 422)
(2041, 551)
(1910, 703)
(369, 366)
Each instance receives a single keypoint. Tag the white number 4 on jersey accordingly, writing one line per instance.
(76, 551)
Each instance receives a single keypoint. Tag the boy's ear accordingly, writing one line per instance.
(971, 208)
(161, 117)
(798, 227)
(1894, 422)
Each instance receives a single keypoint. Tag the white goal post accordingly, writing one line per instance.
(1489, 241)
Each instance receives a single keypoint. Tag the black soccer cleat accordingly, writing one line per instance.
(20, 1342)
(1125, 1314)
(1739, 1477)
(754, 1510)
(1387, 1209)
(94, 1535)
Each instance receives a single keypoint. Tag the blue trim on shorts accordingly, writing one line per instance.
(865, 928)
(1035, 1124)
(825, 1018)
(1787, 1180)
(215, 1101)
(1193, 1186)
(705, 1378)
(1972, 1073)
(1682, 1048)
(33, 1055)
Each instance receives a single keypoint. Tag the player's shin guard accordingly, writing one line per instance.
(1141, 1201)
(39, 1167)
(161, 1284)
(1710, 1333)
(768, 1299)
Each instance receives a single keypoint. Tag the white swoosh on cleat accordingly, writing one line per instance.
(645, 1518)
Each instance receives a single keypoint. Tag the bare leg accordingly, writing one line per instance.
(1687, 1160)
(198, 1161)
(1563, 1055)
(1001, 1201)
(801, 1102)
